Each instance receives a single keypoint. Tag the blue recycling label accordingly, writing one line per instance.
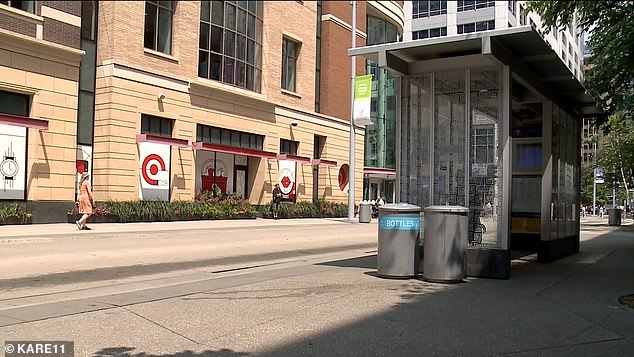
(399, 223)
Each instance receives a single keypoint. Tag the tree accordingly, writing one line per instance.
(610, 78)
(617, 149)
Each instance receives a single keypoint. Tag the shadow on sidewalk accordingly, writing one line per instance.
(129, 352)
(567, 307)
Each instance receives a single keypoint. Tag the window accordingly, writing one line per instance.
(429, 33)
(512, 6)
(25, 5)
(380, 31)
(214, 135)
(14, 103)
(158, 25)
(476, 26)
(554, 32)
(428, 8)
(570, 48)
(230, 43)
(288, 146)
(156, 125)
(563, 54)
(290, 49)
(473, 5)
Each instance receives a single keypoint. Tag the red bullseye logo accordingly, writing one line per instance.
(154, 168)
(286, 181)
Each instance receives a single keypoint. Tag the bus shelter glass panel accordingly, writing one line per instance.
(485, 157)
(415, 133)
(449, 139)
(564, 205)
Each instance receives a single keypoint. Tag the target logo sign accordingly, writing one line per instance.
(154, 171)
(154, 162)
(286, 181)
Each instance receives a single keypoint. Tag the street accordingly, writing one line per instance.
(299, 287)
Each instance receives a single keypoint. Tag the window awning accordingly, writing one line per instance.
(155, 139)
(324, 162)
(378, 171)
(233, 150)
(25, 122)
(301, 159)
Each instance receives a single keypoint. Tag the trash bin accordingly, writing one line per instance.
(614, 217)
(446, 238)
(365, 212)
(399, 233)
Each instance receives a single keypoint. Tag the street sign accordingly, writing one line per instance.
(598, 175)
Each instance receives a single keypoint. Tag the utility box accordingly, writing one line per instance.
(399, 234)
(446, 240)
(365, 212)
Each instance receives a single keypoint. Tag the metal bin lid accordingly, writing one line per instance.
(446, 209)
(399, 207)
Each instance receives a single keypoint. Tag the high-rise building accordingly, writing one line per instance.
(426, 19)
(164, 99)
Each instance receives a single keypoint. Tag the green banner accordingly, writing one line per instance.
(362, 99)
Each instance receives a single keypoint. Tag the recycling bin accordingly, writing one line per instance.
(365, 212)
(614, 217)
(399, 234)
(446, 239)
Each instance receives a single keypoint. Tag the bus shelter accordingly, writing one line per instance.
(491, 121)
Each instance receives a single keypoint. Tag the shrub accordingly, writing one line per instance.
(305, 209)
(141, 211)
(188, 209)
(14, 211)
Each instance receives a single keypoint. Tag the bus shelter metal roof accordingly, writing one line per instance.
(533, 62)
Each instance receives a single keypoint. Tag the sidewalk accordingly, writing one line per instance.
(339, 307)
(70, 229)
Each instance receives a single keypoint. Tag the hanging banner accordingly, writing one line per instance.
(287, 179)
(362, 99)
(154, 171)
(12, 162)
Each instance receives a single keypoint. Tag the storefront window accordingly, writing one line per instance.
(380, 136)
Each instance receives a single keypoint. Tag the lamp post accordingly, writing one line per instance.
(352, 133)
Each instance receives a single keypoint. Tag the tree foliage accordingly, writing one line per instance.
(617, 148)
(610, 77)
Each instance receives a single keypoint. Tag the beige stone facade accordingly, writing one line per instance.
(40, 57)
(129, 78)
(45, 70)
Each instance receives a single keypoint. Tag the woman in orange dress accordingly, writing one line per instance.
(85, 201)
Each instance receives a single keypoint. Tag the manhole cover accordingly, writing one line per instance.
(627, 300)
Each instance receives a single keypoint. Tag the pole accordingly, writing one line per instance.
(594, 192)
(352, 134)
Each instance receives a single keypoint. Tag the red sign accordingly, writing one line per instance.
(153, 168)
(343, 176)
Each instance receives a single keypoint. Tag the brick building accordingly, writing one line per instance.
(160, 100)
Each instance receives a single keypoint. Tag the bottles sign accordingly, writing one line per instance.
(399, 223)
